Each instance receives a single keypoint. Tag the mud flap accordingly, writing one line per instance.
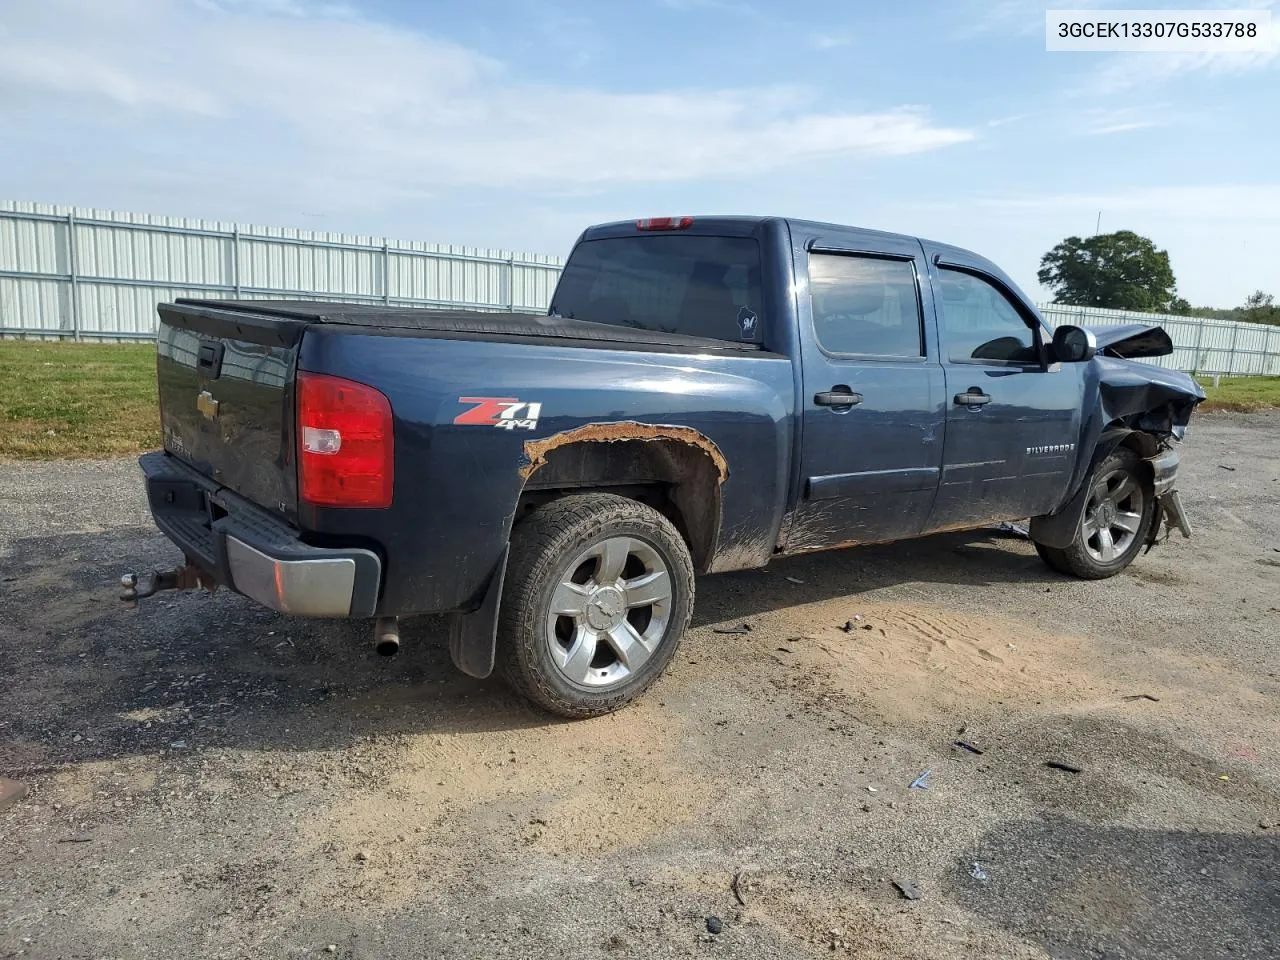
(1059, 529)
(473, 637)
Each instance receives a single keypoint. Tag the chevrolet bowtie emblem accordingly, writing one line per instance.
(207, 405)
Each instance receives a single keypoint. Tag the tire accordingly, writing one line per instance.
(1116, 521)
(598, 594)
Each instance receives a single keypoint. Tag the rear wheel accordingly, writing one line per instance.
(598, 593)
(1117, 517)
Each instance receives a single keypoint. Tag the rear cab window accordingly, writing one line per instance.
(698, 286)
(865, 306)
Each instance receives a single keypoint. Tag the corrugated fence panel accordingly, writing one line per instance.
(291, 263)
(114, 252)
(43, 302)
(533, 286)
(98, 274)
(118, 311)
(32, 246)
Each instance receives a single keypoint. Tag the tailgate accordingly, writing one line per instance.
(226, 399)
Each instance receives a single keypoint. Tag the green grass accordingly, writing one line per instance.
(77, 399)
(1243, 394)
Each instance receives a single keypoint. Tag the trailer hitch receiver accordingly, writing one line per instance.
(186, 577)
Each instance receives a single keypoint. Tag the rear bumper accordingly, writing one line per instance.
(253, 552)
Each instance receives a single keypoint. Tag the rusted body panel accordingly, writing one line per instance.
(536, 451)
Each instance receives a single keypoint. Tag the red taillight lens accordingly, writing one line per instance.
(664, 223)
(344, 443)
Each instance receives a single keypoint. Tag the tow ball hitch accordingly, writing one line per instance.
(186, 577)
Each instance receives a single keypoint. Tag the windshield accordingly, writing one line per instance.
(696, 286)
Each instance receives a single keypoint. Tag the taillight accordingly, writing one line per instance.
(664, 223)
(344, 443)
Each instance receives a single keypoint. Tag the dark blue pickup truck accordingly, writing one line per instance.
(704, 395)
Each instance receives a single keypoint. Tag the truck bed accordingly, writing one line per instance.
(288, 318)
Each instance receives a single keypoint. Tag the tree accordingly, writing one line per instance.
(1121, 271)
(1260, 307)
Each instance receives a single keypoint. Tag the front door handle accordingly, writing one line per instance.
(837, 398)
(974, 397)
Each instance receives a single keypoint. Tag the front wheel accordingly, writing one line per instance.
(1117, 518)
(598, 593)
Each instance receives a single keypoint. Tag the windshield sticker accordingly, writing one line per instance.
(505, 413)
(747, 321)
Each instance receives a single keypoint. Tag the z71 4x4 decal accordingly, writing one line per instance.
(506, 413)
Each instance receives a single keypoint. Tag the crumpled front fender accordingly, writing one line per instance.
(1122, 397)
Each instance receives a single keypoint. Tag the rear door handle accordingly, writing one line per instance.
(973, 398)
(836, 398)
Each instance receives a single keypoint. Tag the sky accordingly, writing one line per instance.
(515, 124)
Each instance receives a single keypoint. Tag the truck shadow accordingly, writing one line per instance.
(93, 680)
(972, 558)
(1083, 890)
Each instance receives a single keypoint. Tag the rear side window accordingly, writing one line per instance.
(696, 286)
(865, 306)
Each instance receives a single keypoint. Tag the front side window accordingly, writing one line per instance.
(980, 323)
(691, 285)
(865, 306)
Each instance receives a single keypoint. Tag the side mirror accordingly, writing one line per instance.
(1074, 344)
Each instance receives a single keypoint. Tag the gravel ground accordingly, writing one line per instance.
(211, 779)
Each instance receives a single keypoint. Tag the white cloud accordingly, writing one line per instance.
(1105, 121)
(1125, 127)
(411, 110)
(831, 39)
(46, 65)
(1122, 72)
(1208, 202)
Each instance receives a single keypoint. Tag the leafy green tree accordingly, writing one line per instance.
(1260, 307)
(1120, 271)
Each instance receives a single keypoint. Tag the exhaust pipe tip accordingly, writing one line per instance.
(386, 636)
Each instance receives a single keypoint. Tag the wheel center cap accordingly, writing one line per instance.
(1106, 513)
(606, 608)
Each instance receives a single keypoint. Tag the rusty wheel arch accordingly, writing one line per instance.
(638, 460)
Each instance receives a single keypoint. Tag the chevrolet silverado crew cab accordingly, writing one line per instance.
(705, 394)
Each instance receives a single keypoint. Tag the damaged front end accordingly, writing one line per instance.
(1140, 395)
(1136, 404)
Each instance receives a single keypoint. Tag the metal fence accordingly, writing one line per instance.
(96, 274)
(1200, 344)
